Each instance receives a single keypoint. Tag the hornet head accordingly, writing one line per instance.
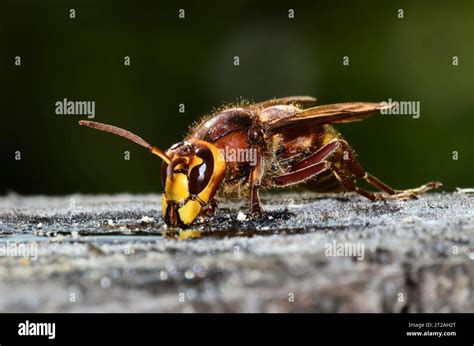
(191, 173)
(190, 180)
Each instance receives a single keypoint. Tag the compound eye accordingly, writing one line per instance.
(200, 175)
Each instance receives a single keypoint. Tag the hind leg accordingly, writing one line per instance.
(354, 167)
(347, 173)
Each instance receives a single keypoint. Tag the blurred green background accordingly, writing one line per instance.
(190, 61)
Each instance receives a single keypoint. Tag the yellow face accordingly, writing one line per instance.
(190, 181)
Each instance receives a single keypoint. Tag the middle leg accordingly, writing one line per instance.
(255, 179)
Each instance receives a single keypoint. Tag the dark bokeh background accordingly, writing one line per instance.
(190, 61)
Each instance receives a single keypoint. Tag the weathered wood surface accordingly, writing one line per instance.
(113, 253)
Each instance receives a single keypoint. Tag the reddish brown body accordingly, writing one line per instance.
(241, 128)
(294, 149)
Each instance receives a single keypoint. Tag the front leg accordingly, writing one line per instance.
(209, 209)
(256, 175)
